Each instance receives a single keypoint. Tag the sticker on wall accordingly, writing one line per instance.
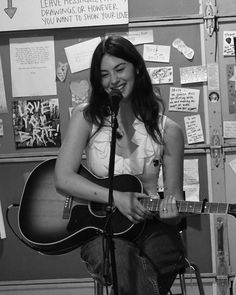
(161, 75)
(231, 81)
(183, 48)
(213, 96)
(36, 123)
(79, 91)
(156, 53)
(62, 69)
(193, 74)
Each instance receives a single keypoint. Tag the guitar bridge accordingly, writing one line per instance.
(67, 208)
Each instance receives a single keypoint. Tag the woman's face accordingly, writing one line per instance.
(117, 73)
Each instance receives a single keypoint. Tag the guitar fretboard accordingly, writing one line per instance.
(153, 204)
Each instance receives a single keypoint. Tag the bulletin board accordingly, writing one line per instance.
(19, 262)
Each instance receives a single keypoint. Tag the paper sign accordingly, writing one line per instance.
(193, 128)
(137, 37)
(3, 103)
(33, 66)
(193, 74)
(233, 165)
(48, 14)
(161, 75)
(228, 43)
(183, 99)
(229, 129)
(2, 226)
(156, 53)
(1, 128)
(79, 55)
(191, 180)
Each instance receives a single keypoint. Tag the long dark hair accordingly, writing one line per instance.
(146, 105)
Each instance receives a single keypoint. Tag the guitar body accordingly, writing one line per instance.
(52, 227)
(53, 223)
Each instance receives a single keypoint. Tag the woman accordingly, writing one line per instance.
(146, 139)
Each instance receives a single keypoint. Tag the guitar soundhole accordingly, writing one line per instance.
(98, 209)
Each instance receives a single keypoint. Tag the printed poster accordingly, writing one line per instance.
(36, 123)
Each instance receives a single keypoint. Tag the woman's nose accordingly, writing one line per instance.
(114, 78)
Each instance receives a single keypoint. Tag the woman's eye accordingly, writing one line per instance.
(120, 69)
(104, 75)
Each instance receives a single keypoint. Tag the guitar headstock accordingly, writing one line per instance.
(232, 209)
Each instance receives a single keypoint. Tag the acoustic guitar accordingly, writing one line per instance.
(53, 223)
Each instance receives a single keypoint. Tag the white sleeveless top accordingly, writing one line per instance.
(144, 162)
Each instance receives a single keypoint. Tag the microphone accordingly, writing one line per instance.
(115, 97)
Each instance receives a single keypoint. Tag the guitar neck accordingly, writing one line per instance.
(188, 206)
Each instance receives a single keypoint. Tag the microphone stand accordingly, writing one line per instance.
(108, 231)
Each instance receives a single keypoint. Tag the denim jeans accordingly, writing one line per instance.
(147, 266)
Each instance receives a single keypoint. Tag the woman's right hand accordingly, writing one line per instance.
(128, 204)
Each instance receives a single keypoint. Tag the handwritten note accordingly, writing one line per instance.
(193, 74)
(161, 75)
(79, 55)
(48, 14)
(183, 99)
(156, 53)
(229, 129)
(193, 128)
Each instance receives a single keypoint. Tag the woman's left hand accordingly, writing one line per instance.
(168, 207)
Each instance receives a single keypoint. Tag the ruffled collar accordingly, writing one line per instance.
(146, 148)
